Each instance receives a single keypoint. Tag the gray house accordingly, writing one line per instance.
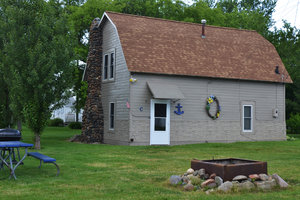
(162, 82)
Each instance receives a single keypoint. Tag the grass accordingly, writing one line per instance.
(124, 172)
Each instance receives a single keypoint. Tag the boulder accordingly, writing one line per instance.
(185, 179)
(201, 173)
(263, 177)
(175, 179)
(240, 178)
(188, 187)
(190, 171)
(212, 176)
(207, 182)
(218, 180)
(247, 185)
(265, 185)
(206, 176)
(211, 185)
(225, 187)
(254, 177)
(281, 183)
(195, 173)
(272, 182)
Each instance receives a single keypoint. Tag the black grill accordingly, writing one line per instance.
(10, 135)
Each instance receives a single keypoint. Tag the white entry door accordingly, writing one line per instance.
(160, 122)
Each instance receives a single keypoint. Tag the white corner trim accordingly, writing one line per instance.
(105, 15)
(83, 75)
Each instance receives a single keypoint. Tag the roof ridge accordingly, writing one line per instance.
(181, 22)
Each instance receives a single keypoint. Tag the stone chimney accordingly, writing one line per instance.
(93, 119)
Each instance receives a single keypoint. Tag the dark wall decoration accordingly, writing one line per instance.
(210, 100)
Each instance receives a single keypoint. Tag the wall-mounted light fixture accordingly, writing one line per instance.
(132, 80)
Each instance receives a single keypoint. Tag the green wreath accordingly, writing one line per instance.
(209, 101)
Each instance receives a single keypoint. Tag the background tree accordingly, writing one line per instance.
(287, 43)
(248, 14)
(5, 111)
(37, 50)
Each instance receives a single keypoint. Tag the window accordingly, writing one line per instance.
(111, 116)
(247, 118)
(160, 115)
(109, 65)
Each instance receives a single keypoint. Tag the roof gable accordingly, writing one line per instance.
(152, 45)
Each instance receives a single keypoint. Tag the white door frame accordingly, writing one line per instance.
(159, 137)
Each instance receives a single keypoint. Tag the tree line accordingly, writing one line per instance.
(42, 41)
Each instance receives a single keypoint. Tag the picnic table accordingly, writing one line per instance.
(7, 154)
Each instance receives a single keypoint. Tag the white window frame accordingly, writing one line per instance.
(243, 118)
(109, 116)
(108, 54)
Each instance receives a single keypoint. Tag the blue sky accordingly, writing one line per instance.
(288, 10)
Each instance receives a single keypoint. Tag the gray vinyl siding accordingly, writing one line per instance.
(116, 91)
(195, 126)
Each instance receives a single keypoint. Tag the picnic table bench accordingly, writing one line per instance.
(45, 159)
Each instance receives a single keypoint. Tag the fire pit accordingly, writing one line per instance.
(228, 168)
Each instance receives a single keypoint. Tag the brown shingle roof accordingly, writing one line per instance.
(152, 45)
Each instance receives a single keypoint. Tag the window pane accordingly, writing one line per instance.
(112, 122)
(112, 59)
(112, 109)
(111, 65)
(112, 116)
(105, 74)
(160, 110)
(247, 124)
(160, 124)
(106, 60)
(247, 111)
(111, 72)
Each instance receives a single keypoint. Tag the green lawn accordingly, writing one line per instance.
(123, 172)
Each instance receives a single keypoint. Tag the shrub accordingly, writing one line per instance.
(288, 138)
(196, 181)
(75, 125)
(56, 122)
(293, 124)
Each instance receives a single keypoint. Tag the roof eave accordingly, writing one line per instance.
(289, 81)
